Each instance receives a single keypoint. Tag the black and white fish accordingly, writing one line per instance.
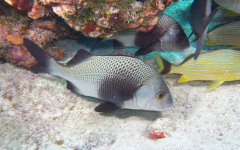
(167, 35)
(122, 82)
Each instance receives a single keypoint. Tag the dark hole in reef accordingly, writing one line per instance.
(140, 1)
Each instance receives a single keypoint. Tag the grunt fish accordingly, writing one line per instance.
(233, 5)
(122, 82)
(217, 66)
(228, 34)
(167, 35)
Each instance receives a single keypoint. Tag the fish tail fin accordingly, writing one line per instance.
(183, 78)
(43, 59)
(163, 64)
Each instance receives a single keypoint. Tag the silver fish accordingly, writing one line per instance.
(122, 82)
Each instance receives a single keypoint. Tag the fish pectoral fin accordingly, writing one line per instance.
(183, 78)
(106, 107)
(72, 87)
(214, 84)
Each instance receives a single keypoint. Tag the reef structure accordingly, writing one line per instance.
(97, 18)
(15, 25)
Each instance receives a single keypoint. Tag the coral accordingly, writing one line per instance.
(20, 4)
(14, 26)
(98, 18)
(16, 39)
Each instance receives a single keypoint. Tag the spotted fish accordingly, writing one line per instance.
(167, 35)
(217, 66)
(122, 82)
(228, 34)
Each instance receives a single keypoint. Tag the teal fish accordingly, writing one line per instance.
(122, 82)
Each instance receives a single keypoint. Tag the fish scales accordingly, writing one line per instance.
(121, 82)
(99, 73)
(228, 34)
(217, 65)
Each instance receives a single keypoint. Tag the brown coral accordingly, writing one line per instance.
(23, 5)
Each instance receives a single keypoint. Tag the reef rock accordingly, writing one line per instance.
(98, 18)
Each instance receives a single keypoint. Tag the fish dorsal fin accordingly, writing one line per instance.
(80, 56)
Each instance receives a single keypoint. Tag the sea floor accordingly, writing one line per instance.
(38, 112)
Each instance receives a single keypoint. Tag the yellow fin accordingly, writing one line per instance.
(214, 84)
(183, 78)
(159, 63)
(234, 47)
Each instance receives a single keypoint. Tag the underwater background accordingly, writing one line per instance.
(38, 111)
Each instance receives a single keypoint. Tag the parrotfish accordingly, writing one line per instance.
(167, 35)
(122, 82)
(228, 34)
(217, 66)
(233, 5)
(200, 16)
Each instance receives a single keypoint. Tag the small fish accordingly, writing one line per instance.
(200, 17)
(122, 82)
(228, 34)
(217, 66)
(167, 35)
(233, 5)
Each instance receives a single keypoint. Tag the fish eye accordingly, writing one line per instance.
(161, 95)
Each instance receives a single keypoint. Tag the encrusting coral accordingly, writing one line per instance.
(99, 18)
(15, 25)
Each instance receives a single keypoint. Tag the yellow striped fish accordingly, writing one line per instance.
(233, 5)
(217, 66)
(228, 34)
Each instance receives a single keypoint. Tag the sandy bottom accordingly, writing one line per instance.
(38, 112)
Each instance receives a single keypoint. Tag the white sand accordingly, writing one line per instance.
(38, 112)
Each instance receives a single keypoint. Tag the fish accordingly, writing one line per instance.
(122, 82)
(227, 34)
(217, 66)
(200, 16)
(167, 35)
(233, 5)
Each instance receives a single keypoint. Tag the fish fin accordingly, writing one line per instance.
(203, 33)
(99, 40)
(200, 44)
(148, 48)
(80, 56)
(106, 107)
(72, 87)
(163, 64)
(43, 59)
(214, 84)
(183, 78)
